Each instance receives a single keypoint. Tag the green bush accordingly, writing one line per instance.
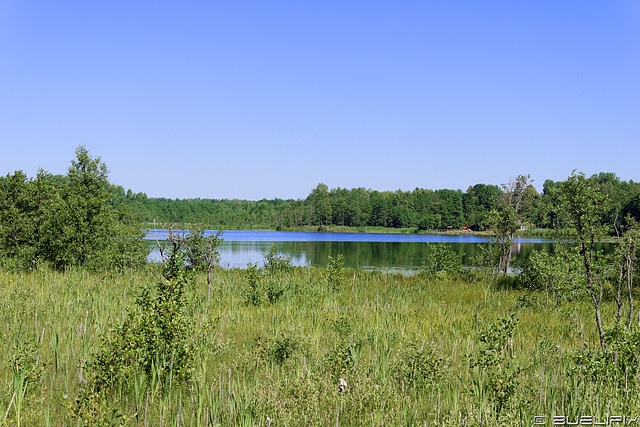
(343, 357)
(273, 263)
(441, 258)
(152, 340)
(334, 273)
(252, 293)
(417, 366)
(613, 370)
(497, 379)
(273, 291)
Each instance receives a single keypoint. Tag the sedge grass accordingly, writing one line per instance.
(281, 361)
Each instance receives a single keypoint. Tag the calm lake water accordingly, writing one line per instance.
(387, 252)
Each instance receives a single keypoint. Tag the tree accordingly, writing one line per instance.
(585, 207)
(478, 201)
(17, 215)
(91, 220)
(506, 220)
(558, 274)
(401, 212)
(68, 220)
(359, 200)
(379, 208)
(153, 339)
(451, 207)
(202, 252)
(340, 208)
(632, 207)
(628, 252)
(532, 208)
(319, 199)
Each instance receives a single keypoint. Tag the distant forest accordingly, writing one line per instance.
(420, 209)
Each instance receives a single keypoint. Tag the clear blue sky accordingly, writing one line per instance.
(256, 99)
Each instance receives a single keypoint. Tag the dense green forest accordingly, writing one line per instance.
(421, 209)
(52, 216)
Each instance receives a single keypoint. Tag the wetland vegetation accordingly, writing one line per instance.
(96, 335)
(446, 348)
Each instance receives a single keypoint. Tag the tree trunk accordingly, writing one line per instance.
(596, 303)
(208, 283)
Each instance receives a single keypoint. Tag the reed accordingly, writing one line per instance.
(404, 345)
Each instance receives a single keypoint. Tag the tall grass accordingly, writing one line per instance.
(403, 345)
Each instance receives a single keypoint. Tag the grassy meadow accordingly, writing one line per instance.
(421, 350)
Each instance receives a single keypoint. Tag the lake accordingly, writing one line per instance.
(375, 251)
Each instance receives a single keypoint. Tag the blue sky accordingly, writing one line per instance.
(254, 100)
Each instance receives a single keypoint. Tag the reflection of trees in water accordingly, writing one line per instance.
(396, 254)
(523, 249)
(239, 254)
(407, 255)
(386, 254)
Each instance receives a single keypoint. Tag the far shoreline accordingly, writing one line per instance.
(366, 229)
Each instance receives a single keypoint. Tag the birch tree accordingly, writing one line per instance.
(507, 219)
(585, 207)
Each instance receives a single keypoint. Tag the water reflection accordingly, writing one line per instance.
(359, 250)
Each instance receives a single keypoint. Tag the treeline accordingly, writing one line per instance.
(82, 219)
(420, 209)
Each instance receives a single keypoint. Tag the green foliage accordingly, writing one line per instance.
(283, 347)
(321, 205)
(89, 216)
(559, 275)
(342, 325)
(441, 258)
(201, 250)
(613, 370)
(334, 273)
(632, 207)
(264, 284)
(153, 339)
(628, 255)
(273, 263)
(585, 206)
(450, 208)
(127, 253)
(28, 374)
(421, 208)
(252, 293)
(92, 409)
(273, 291)
(67, 221)
(17, 216)
(478, 201)
(279, 348)
(343, 357)
(506, 220)
(25, 364)
(370, 333)
(417, 366)
(496, 376)
(623, 348)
